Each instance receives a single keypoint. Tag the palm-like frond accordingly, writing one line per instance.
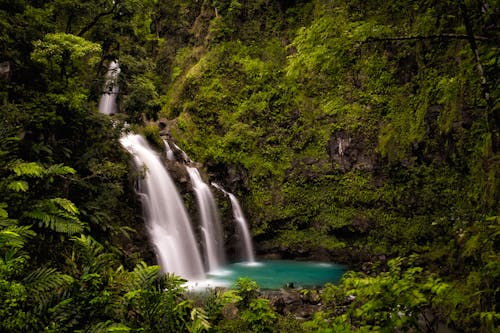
(12, 263)
(92, 253)
(15, 236)
(64, 313)
(43, 283)
(29, 169)
(3, 212)
(57, 214)
(60, 169)
(144, 276)
(18, 186)
(108, 326)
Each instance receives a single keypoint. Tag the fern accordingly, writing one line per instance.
(144, 276)
(199, 321)
(3, 212)
(18, 186)
(92, 254)
(15, 236)
(30, 169)
(88, 246)
(8, 145)
(108, 326)
(60, 169)
(42, 283)
(64, 313)
(57, 214)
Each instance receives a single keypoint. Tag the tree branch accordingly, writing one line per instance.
(97, 18)
(443, 36)
(491, 118)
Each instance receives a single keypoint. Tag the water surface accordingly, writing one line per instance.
(275, 274)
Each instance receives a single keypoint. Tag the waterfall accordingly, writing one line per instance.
(242, 225)
(185, 158)
(169, 151)
(166, 218)
(107, 104)
(210, 221)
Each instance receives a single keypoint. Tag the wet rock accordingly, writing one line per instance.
(162, 123)
(5, 70)
(349, 299)
(348, 152)
(311, 297)
(230, 312)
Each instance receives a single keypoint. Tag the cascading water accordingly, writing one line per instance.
(169, 152)
(167, 220)
(210, 220)
(185, 158)
(249, 255)
(107, 104)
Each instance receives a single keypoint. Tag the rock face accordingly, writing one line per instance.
(291, 301)
(5, 71)
(349, 152)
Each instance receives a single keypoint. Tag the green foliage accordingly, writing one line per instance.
(262, 91)
(152, 134)
(57, 214)
(394, 300)
(259, 316)
(142, 99)
(247, 290)
(42, 283)
(60, 49)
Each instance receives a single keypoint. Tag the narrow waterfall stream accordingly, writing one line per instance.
(210, 220)
(107, 104)
(243, 228)
(168, 151)
(242, 224)
(166, 217)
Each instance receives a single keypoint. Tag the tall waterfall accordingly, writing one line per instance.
(210, 220)
(166, 218)
(107, 104)
(242, 224)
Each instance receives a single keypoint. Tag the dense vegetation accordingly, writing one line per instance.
(357, 131)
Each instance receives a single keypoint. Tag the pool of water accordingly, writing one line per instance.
(275, 274)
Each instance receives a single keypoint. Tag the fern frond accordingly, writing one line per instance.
(42, 283)
(3, 212)
(15, 236)
(66, 205)
(13, 263)
(92, 253)
(144, 276)
(89, 246)
(57, 214)
(199, 320)
(18, 186)
(29, 169)
(60, 169)
(108, 326)
(64, 312)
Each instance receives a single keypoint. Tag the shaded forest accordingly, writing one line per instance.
(359, 132)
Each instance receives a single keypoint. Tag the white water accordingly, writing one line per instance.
(249, 254)
(166, 218)
(210, 221)
(185, 158)
(107, 104)
(169, 151)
